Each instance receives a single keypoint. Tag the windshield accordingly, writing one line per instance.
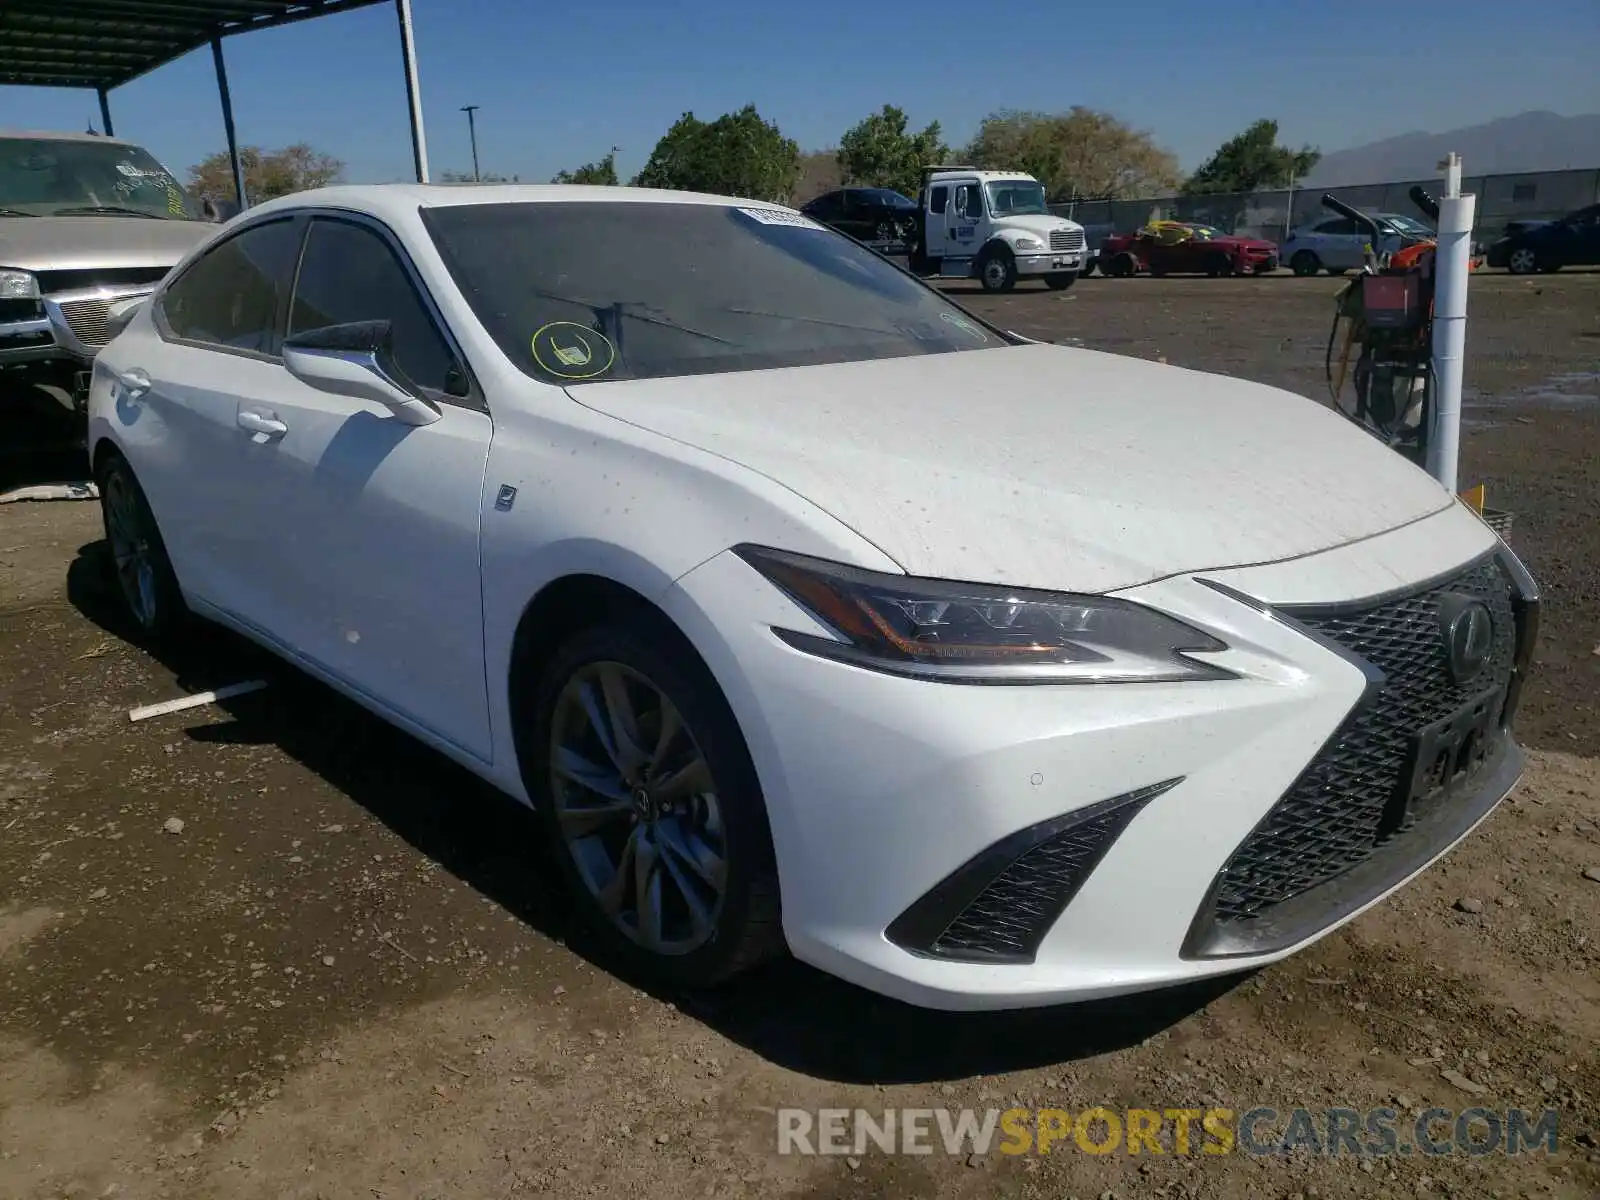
(1016, 198)
(588, 292)
(1405, 225)
(89, 177)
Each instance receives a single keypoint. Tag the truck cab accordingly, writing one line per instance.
(88, 226)
(995, 227)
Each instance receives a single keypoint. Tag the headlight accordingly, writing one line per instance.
(1028, 243)
(17, 285)
(976, 633)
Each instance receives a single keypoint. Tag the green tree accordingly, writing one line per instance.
(602, 173)
(1081, 152)
(738, 154)
(267, 173)
(878, 152)
(1252, 161)
(819, 173)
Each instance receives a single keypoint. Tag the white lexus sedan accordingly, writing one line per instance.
(807, 609)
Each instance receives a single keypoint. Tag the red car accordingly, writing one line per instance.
(1173, 247)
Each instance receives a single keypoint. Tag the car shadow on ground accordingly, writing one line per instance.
(794, 1016)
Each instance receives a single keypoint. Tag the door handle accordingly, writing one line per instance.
(134, 381)
(254, 422)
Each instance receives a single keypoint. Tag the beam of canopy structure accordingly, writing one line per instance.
(102, 44)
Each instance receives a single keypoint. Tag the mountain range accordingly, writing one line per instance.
(1530, 141)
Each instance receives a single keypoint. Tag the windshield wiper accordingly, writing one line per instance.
(15, 212)
(113, 209)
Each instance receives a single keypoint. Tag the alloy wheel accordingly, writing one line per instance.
(1523, 262)
(131, 550)
(637, 807)
(994, 272)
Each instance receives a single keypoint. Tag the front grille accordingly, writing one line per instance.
(1351, 800)
(87, 320)
(1066, 239)
(998, 906)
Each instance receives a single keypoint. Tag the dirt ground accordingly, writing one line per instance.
(278, 950)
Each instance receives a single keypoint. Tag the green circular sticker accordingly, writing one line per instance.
(572, 351)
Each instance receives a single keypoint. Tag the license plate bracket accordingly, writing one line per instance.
(1448, 753)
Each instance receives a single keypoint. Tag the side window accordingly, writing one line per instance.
(938, 198)
(349, 273)
(231, 295)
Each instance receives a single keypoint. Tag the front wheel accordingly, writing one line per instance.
(1523, 261)
(1060, 281)
(1305, 263)
(648, 795)
(997, 270)
(140, 567)
(1219, 266)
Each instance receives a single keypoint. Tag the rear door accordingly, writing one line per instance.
(214, 335)
(936, 221)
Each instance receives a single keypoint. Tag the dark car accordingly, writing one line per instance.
(1529, 246)
(877, 216)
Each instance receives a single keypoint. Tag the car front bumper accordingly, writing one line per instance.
(905, 812)
(1051, 263)
(67, 327)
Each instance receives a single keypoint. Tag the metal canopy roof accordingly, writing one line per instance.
(103, 44)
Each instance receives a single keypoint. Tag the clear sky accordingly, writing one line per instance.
(559, 85)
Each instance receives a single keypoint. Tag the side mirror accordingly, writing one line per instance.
(355, 360)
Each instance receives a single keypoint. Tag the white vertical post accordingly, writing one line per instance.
(1451, 266)
(408, 50)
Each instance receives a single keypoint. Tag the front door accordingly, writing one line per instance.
(368, 527)
(966, 225)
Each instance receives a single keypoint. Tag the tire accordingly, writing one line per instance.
(1060, 281)
(141, 572)
(1219, 266)
(1523, 261)
(699, 936)
(1124, 266)
(1305, 263)
(883, 232)
(997, 270)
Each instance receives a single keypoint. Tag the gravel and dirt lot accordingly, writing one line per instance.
(276, 949)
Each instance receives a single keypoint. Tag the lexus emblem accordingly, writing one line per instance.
(1468, 629)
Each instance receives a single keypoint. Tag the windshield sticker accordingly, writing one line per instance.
(966, 326)
(568, 350)
(780, 216)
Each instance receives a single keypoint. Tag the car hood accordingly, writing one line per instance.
(1045, 466)
(96, 243)
(1035, 223)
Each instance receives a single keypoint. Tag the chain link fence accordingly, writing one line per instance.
(1271, 214)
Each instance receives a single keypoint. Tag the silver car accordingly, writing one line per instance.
(86, 222)
(1337, 244)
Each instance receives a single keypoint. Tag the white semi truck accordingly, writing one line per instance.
(995, 227)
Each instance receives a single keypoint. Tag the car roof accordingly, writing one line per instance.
(396, 200)
(54, 135)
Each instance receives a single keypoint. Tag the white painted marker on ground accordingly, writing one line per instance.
(198, 700)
